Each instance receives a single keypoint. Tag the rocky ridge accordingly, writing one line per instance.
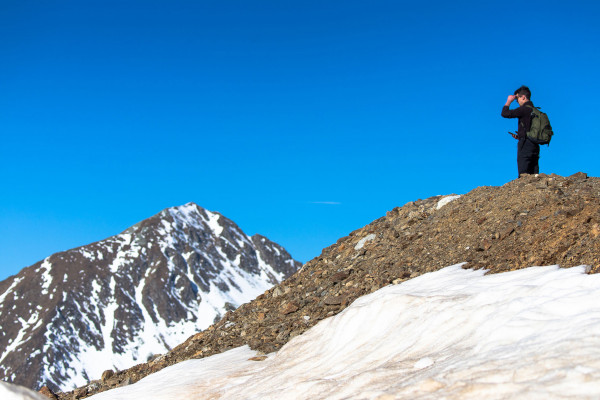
(534, 220)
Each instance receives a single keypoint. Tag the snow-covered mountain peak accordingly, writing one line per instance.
(119, 301)
(187, 215)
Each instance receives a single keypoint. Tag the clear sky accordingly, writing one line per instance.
(298, 120)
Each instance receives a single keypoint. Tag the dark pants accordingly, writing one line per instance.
(528, 155)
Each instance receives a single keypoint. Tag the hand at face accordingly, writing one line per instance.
(510, 99)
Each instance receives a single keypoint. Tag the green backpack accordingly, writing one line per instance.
(541, 131)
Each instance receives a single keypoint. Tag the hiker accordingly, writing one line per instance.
(528, 152)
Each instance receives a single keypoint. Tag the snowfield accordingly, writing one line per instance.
(452, 334)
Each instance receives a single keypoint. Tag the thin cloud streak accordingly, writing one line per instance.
(330, 203)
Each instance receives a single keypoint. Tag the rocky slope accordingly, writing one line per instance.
(534, 220)
(120, 301)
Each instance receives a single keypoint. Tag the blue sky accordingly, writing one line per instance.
(298, 120)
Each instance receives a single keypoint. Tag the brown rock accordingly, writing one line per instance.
(579, 175)
(340, 276)
(81, 392)
(334, 300)
(486, 244)
(290, 308)
(106, 375)
(258, 358)
(506, 233)
(45, 391)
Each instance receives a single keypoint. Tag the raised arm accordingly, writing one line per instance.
(516, 113)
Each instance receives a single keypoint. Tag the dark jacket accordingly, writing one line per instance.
(524, 114)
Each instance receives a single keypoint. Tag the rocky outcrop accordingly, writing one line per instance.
(535, 220)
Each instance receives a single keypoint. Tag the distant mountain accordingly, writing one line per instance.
(120, 301)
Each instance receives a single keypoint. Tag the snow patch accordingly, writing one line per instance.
(445, 200)
(13, 285)
(46, 278)
(23, 333)
(9, 391)
(126, 251)
(213, 223)
(424, 363)
(87, 254)
(364, 240)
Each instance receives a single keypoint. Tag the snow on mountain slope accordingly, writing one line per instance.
(452, 334)
(117, 302)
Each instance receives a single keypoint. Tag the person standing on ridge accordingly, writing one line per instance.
(528, 152)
